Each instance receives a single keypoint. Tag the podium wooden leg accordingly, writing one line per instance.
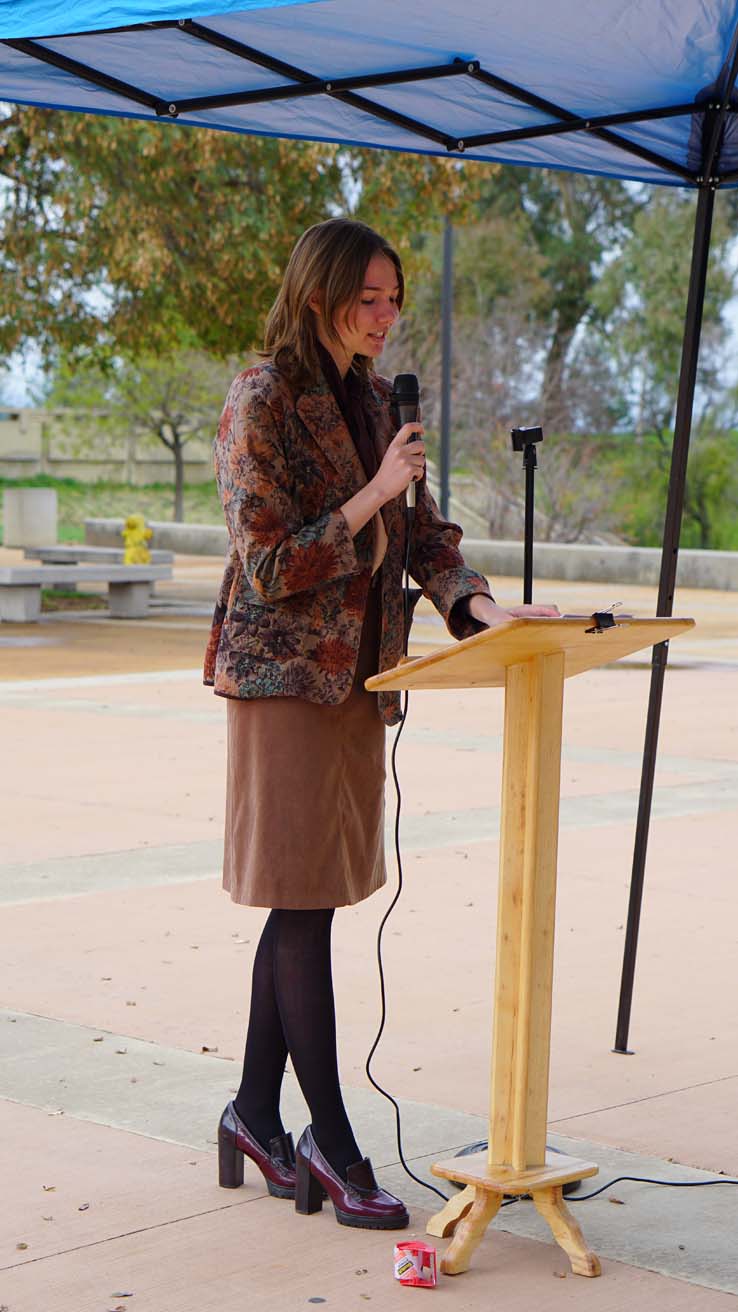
(467, 1216)
(550, 1203)
(526, 910)
(470, 1231)
(443, 1223)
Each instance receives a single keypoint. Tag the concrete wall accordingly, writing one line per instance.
(67, 444)
(571, 561)
(576, 561)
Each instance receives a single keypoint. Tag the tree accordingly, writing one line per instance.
(172, 399)
(522, 273)
(118, 234)
(642, 299)
(570, 224)
(711, 493)
(527, 330)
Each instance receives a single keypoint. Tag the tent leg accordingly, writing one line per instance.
(667, 582)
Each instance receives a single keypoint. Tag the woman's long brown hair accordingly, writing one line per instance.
(330, 261)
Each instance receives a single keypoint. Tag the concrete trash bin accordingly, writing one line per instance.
(29, 516)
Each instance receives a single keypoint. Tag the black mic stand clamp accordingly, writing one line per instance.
(525, 439)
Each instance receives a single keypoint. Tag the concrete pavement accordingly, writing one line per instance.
(125, 972)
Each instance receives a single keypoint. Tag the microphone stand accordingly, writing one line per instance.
(525, 439)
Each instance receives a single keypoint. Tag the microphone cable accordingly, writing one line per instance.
(409, 523)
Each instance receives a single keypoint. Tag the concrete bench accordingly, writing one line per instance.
(129, 587)
(187, 539)
(76, 553)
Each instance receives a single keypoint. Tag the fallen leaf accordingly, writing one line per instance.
(618, 1201)
(21, 1247)
(99, 1039)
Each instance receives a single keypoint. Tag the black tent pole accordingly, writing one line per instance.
(447, 302)
(667, 582)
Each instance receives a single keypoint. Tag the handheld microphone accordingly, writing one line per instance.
(405, 399)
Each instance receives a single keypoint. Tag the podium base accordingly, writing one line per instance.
(467, 1216)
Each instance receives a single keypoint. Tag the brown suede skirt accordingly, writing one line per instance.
(304, 821)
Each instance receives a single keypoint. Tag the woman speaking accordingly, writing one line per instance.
(312, 476)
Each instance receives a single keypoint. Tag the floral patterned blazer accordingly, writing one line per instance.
(289, 613)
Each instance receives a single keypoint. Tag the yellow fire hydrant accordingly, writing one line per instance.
(135, 534)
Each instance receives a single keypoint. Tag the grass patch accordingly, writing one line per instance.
(61, 599)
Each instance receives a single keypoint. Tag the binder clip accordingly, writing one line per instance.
(604, 619)
(415, 1264)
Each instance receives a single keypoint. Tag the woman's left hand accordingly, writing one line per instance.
(488, 612)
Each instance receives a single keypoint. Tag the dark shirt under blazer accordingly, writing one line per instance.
(289, 613)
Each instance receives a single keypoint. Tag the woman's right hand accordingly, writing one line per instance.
(403, 462)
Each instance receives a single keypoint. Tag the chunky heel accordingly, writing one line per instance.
(277, 1163)
(230, 1161)
(357, 1199)
(308, 1191)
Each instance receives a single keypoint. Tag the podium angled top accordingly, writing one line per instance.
(481, 661)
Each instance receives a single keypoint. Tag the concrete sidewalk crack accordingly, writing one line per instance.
(650, 1097)
(140, 1230)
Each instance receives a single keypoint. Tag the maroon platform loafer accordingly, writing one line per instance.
(357, 1200)
(235, 1142)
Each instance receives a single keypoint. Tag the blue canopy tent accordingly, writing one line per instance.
(633, 89)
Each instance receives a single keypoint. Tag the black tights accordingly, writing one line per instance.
(292, 1011)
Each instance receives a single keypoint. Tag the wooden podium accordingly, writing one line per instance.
(530, 658)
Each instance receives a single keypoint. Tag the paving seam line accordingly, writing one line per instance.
(649, 1097)
(141, 1230)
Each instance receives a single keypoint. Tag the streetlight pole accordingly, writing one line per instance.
(447, 296)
